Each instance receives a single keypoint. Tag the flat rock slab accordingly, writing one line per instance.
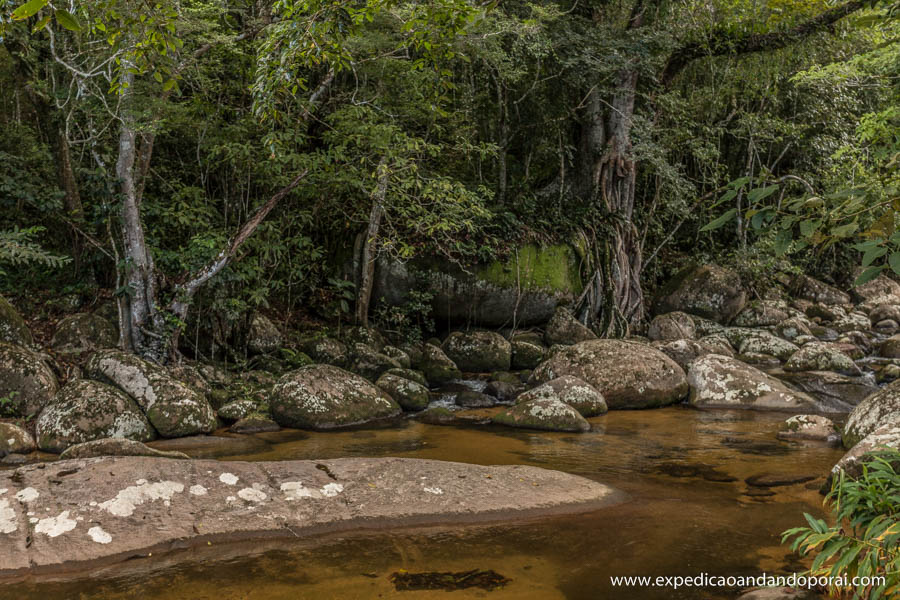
(65, 515)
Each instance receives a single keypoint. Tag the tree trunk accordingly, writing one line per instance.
(367, 264)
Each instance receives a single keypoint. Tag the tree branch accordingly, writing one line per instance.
(721, 42)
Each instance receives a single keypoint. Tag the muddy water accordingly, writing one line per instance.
(688, 512)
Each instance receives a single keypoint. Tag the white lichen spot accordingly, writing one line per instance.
(29, 494)
(228, 478)
(295, 490)
(3, 491)
(332, 489)
(434, 490)
(198, 490)
(98, 535)
(8, 521)
(126, 500)
(230, 499)
(33, 520)
(251, 495)
(54, 526)
(140, 482)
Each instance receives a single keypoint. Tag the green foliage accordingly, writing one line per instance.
(865, 539)
(412, 320)
(17, 247)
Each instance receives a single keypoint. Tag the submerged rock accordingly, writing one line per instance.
(409, 394)
(86, 410)
(545, 413)
(116, 447)
(27, 384)
(172, 407)
(83, 332)
(809, 427)
(572, 391)
(628, 374)
(478, 351)
(707, 291)
(723, 382)
(254, 423)
(327, 397)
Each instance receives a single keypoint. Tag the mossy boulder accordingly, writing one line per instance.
(409, 394)
(881, 290)
(565, 329)
(254, 423)
(83, 332)
(524, 288)
(721, 382)
(410, 374)
(399, 355)
(821, 356)
(327, 397)
(237, 410)
(762, 313)
(809, 427)
(27, 384)
(672, 326)
(364, 335)
(369, 363)
(793, 328)
(437, 366)
(578, 394)
(707, 291)
(478, 351)
(684, 351)
(15, 440)
(263, 336)
(877, 410)
(628, 374)
(545, 413)
(324, 350)
(473, 399)
(86, 410)
(12, 326)
(172, 407)
(813, 290)
(759, 341)
(526, 355)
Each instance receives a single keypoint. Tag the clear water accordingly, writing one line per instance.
(680, 518)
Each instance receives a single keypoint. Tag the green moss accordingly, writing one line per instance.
(536, 268)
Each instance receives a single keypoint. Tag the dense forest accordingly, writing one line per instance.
(217, 194)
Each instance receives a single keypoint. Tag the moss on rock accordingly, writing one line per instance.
(27, 383)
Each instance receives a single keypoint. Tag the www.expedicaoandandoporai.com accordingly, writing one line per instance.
(706, 580)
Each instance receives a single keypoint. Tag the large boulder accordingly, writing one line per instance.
(523, 289)
(12, 326)
(758, 341)
(880, 409)
(14, 440)
(546, 413)
(525, 354)
(809, 427)
(628, 374)
(410, 395)
(813, 290)
(366, 361)
(263, 336)
(684, 351)
(672, 326)
(881, 290)
(838, 393)
(478, 351)
(86, 410)
(172, 407)
(707, 291)
(722, 382)
(821, 356)
(883, 437)
(324, 350)
(762, 313)
(437, 366)
(565, 329)
(26, 381)
(327, 397)
(572, 391)
(82, 332)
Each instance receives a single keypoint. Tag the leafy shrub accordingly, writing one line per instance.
(865, 539)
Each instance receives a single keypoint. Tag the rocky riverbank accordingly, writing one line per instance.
(72, 513)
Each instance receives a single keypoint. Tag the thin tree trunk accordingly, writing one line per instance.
(367, 275)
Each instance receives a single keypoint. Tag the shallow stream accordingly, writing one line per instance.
(689, 511)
